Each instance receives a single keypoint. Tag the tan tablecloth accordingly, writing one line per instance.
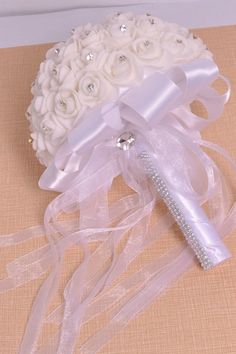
(198, 314)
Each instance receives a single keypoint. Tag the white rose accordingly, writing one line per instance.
(90, 35)
(121, 29)
(94, 89)
(65, 52)
(52, 76)
(121, 33)
(92, 55)
(121, 68)
(48, 133)
(149, 26)
(150, 52)
(64, 103)
(180, 47)
(53, 53)
(52, 128)
(91, 58)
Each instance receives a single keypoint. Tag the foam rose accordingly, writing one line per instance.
(121, 68)
(94, 89)
(148, 52)
(181, 48)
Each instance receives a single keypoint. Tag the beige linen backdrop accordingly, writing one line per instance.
(197, 315)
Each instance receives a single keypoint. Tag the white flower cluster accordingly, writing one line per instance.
(94, 64)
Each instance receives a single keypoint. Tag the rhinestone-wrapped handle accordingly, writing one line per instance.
(198, 231)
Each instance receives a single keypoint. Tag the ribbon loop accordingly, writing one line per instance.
(148, 103)
(142, 107)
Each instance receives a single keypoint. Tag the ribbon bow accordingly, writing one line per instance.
(143, 107)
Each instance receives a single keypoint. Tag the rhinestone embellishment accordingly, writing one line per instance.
(91, 88)
(62, 103)
(176, 212)
(57, 51)
(146, 43)
(123, 28)
(46, 129)
(122, 58)
(90, 56)
(152, 21)
(125, 141)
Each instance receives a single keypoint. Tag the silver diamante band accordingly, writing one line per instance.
(174, 209)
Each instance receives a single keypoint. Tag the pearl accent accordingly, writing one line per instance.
(176, 212)
(57, 51)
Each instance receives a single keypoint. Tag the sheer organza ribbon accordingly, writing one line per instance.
(83, 170)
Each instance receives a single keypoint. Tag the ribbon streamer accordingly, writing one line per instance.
(146, 107)
(83, 171)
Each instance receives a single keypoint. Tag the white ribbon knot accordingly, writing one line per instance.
(143, 106)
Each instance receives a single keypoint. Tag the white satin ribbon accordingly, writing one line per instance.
(84, 169)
